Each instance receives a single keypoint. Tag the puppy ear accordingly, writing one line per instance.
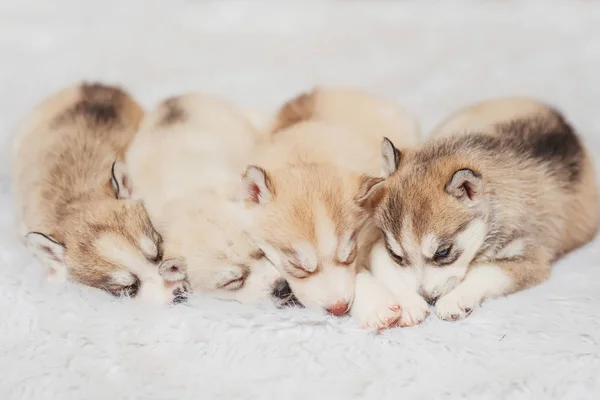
(49, 251)
(390, 157)
(465, 185)
(257, 186)
(369, 190)
(173, 270)
(120, 180)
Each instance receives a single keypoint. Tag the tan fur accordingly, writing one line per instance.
(368, 115)
(185, 163)
(62, 163)
(315, 165)
(534, 191)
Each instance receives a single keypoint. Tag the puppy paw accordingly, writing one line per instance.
(377, 313)
(414, 311)
(456, 305)
(382, 318)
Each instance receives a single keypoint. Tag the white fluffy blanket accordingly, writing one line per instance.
(76, 343)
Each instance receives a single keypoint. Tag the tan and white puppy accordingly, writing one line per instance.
(310, 196)
(71, 190)
(484, 209)
(185, 163)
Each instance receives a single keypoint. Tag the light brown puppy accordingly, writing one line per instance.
(185, 163)
(309, 198)
(483, 210)
(71, 190)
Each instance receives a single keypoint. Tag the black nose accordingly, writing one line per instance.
(282, 290)
(431, 300)
(180, 296)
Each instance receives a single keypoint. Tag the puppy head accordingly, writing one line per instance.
(433, 216)
(223, 261)
(307, 219)
(111, 244)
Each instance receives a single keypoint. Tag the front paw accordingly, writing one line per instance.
(376, 314)
(414, 311)
(456, 305)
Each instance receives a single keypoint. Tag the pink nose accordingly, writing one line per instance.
(338, 309)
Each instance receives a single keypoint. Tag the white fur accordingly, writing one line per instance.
(394, 245)
(429, 245)
(122, 277)
(188, 175)
(153, 288)
(307, 256)
(440, 280)
(50, 253)
(482, 281)
(402, 282)
(148, 246)
(345, 247)
(374, 305)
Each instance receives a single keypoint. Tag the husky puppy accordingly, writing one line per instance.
(185, 163)
(310, 198)
(71, 190)
(484, 209)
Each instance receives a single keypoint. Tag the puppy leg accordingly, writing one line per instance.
(374, 306)
(403, 283)
(490, 280)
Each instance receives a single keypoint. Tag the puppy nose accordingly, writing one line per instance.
(338, 309)
(179, 296)
(282, 290)
(431, 300)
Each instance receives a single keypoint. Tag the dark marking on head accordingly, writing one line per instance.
(99, 105)
(173, 112)
(547, 138)
(298, 109)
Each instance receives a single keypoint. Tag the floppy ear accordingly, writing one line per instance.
(49, 251)
(369, 189)
(257, 186)
(390, 157)
(465, 185)
(120, 180)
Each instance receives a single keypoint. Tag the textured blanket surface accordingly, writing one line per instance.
(71, 342)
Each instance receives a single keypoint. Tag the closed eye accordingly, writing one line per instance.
(397, 258)
(296, 270)
(131, 290)
(234, 278)
(233, 284)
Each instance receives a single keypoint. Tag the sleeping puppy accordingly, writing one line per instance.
(484, 209)
(310, 198)
(185, 162)
(72, 195)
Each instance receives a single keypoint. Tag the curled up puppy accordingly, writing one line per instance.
(310, 196)
(185, 163)
(484, 209)
(72, 194)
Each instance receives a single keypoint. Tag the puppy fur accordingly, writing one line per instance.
(185, 163)
(484, 209)
(311, 193)
(71, 190)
